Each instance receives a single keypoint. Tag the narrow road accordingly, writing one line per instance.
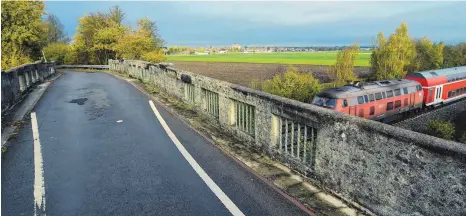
(105, 152)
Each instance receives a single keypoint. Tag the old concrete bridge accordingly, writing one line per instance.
(95, 145)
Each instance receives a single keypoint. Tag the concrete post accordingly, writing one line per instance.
(37, 75)
(28, 79)
(22, 82)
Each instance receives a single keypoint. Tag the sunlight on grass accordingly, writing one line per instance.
(312, 58)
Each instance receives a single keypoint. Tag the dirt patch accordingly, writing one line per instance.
(243, 73)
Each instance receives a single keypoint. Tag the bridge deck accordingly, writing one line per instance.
(95, 164)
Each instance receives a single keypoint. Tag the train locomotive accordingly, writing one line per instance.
(380, 99)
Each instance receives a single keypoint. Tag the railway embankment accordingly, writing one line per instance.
(420, 123)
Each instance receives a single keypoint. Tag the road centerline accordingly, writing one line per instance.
(234, 210)
(39, 186)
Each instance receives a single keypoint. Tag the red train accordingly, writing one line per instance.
(380, 99)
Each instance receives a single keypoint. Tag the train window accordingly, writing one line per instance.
(397, 92)
(378, 96)
(389, 106)
(345, 103)
(366, 98)
(406, 101)
(389, 94)
(360, 99)
(383, 95)
(453, 93)
(412, 89)
(457, 91)
(397, 103)
(449, 94)
(419, 88)
(405, 90)
(372, 110)
(371, 97)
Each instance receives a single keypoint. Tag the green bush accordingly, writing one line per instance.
(56, 52)
(154, 56)
(255, 84)
(463, 138)
(442, 129)
(293, 84)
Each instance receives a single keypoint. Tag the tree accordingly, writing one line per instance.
(116, 14)
(343, 70)
(391, 58)
(106, 40)
(56, 52)
(293, 84)
(88, 26)
(22, 32)
(149, 29)
(428, 55)
(454, 55)
(56, 32)
(143, 43)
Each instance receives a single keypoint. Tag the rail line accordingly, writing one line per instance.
(424, 111)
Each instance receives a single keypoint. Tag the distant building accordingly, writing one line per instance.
(235, 46)
(201, 53)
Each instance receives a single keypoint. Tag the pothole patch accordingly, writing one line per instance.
(79, 101)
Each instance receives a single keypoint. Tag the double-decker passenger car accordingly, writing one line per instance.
(442, 85)
(373, 100)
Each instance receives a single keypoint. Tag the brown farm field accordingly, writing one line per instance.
(243, 73)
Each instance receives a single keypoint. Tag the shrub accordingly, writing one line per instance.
(255, 84)
(463, 138)
(154, 56)
(56, 52)
(294, 85)
(71, 57)
(441, 129)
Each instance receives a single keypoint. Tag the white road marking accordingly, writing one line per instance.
(209, 182)
(39, 186)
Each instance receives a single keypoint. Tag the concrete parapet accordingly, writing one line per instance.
(389, 170)
(17, 81)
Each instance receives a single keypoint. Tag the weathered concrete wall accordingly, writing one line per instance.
(17, 82)
(390, 170)
(421, 123)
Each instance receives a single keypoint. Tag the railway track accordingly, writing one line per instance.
(412, 115)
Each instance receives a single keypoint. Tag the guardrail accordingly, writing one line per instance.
(17, 81)
(83, 66)
(389, 170)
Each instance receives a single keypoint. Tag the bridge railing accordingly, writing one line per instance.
(390, 170)
(98, 67)
(17, 81)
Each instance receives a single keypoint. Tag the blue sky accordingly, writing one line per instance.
(280, 23)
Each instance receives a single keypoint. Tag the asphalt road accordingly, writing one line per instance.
(95, 165)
